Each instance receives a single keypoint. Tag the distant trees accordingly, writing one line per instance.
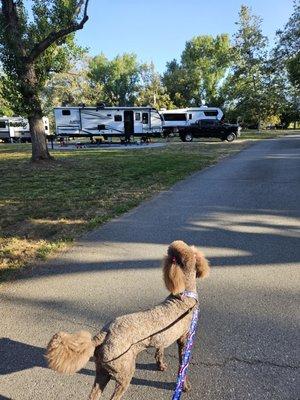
(206, 60)
(31, 50)
(120, 81)
(43, 67)
(286, 64)
(152, 92)
(246, 87)
(115, 81)
(4, 105)
(287, 51)
(257, 89)
(196, 79)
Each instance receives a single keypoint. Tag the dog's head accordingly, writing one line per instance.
(182, 265)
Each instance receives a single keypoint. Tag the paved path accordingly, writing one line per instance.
(244, 214)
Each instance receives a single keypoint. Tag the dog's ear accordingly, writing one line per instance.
(202, 264)
(173, 276)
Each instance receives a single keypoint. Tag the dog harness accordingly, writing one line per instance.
(187, 348)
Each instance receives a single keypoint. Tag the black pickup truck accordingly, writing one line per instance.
(209, 128)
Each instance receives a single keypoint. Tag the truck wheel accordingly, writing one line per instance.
(231, 137)
(186, 137)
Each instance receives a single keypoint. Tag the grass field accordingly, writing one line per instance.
(43, 207)
(267, 134)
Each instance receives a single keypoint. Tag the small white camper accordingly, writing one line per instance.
(107, 121)
(173, 119)
(16, 129)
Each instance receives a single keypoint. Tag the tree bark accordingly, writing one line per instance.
(35, 115)
(38, 138)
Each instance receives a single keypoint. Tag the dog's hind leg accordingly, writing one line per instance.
(181, 344)
(101, 380)
(159, 357)
(124, 376)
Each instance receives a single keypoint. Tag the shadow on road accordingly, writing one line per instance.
(249, 232)
(249, 317)
(17, 356)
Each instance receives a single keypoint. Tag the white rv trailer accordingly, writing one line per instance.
(185, 116)
(107, 121)
(16, 129)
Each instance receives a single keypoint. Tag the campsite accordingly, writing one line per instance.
(149, 200)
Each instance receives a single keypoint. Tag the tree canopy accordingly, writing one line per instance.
(287, 51)
(196, 79)
(34, 45)
(43, 67)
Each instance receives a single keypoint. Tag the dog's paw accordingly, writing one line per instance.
(162, 366)
(187, 386)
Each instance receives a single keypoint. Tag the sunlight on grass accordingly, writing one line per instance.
(45, 206)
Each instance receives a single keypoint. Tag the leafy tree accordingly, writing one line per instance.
(32, 48)
(152, 91)
(117, 80)
(4, 106)
(68, 87)
(289, 110)
(206, 60)
(204, 63)
(247, 86)
(285, 66)
(287, 51)
(293, 67)
(179, 85)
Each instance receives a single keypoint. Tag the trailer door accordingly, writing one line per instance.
(4, 129)
(145, 122)
(128, 123)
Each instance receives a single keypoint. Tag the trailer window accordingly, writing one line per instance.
(46, 128)
(118, 118)
(66, 112)
(2, 124)
(210, 113)
(137, 116)
(175, 117)
(145, 118)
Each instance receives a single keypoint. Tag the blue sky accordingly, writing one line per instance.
(158, 29)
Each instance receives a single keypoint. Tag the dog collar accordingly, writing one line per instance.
(189, 293)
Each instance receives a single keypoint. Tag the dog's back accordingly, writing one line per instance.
(150, 326)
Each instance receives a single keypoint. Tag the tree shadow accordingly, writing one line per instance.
(17, 356)
(155, 384)
(147, 367)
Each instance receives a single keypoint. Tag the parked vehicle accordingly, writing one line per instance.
(16, 129)
(107, 121)
(181, 117)
(210, 128)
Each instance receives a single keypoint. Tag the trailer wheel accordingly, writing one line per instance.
(186, 137)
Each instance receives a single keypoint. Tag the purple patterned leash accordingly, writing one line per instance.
(187, 349)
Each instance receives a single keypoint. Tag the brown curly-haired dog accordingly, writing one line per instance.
(116, 346)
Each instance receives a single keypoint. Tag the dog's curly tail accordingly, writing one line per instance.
(68, 353)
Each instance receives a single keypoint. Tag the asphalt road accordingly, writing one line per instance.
(244, 214)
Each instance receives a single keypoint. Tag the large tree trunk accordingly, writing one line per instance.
(35, 115)
(38, 138)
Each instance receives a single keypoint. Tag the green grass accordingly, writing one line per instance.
(44, 206)
(267, 134)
